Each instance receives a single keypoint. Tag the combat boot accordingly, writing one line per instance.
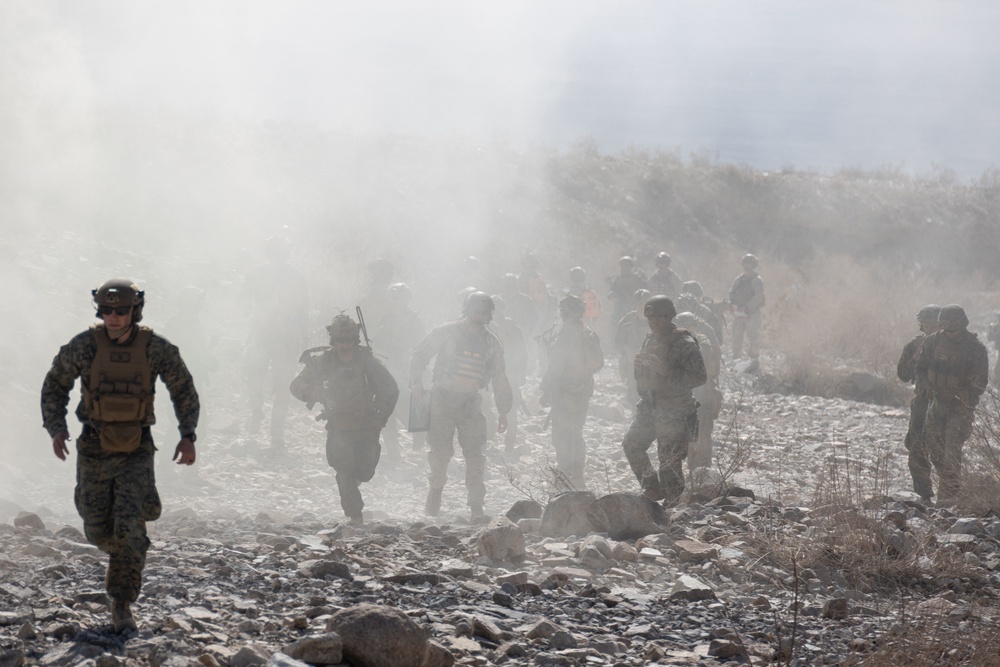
(121, 616)
(433, 506)
(357, 520)
(476, 511)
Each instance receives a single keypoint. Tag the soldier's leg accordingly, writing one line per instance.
(673, 438)
(638, 438)
(933, 440)
(343, 458)
(472, 439)
(956, 432)
(917, 459)
(440, 440)
(700, 456)
(510, 437)
(577, 448)
(136, 501)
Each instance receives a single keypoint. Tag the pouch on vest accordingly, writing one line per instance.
(120, 392)
(121, 438)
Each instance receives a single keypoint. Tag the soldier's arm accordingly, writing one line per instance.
(170, 367)
(502, 393)
(304, 386)
(386, 390)
(690, 371)
(980, 372)
(906, 367)
(757, 300)
(57, 386)
(422, 354)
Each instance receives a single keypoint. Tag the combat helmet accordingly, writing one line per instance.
(953, 318)
(120, 292)
(663, 259)
(399, 292)
(929, 313)
(343, 329)
(659, 306)
(625, 261)
(693, 287)
(577, 275)
(686, 319)
(751, 260)
(572, 306)
(478, 302)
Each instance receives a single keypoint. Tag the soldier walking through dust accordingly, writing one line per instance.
(631, 330)
(358, 395)
(667, 368)
(746, 296)
(956, 369)
(708, 395)
(573, 352)
(117, 362)
(919, 464)
(275, 297)
(469, 357)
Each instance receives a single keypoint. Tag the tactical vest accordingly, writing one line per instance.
(742, 291)
(466, 362)
(120, 394)
(348, 396)
(646, 379)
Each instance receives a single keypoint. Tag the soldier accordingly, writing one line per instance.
(956, 368)
(707, 309)
(920, 466)
(664, 280)
(574, 355)
(746, 296)
(469, 357)
(398, 332)
(274, 295)
(578, 287)
(708, 395)
(667, 368)
(117, 362)
(629, 334)
(624, 286)
(358, 395)
(520, 307)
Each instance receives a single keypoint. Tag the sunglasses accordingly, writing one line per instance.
(121, 311)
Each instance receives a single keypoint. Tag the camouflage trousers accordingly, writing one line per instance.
(750, 326)
(460, 413)
(115, 496)
(947, 428)
(700, 454)
(917, 459)
(666, 421)
(354, 456)
(390, 434)
(567, 438)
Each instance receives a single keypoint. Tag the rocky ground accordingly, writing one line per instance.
(803, 547)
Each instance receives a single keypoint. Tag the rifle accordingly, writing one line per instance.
(364, 329)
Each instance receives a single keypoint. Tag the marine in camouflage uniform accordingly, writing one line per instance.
(906, 370)
(515, 352)
(574, 355)
(746, 296)
(667, 368)
(624, 286)
(358, 395)
(664, 280)
(708, 396)
(117, 363)
(956, 368)
(469, 357)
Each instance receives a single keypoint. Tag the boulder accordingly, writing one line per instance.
(524, 509)
(437, 656)
(29, 520)
(627, 516)
(319, 569)
(323, 649)
(501, 540)
(690, 589)
(567, 514)
(249, 656)
(378, 636)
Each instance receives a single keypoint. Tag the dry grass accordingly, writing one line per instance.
(935, 641)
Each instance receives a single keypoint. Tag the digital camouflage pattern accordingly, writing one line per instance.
(708, 396)
(666, 413)
(746, 295)
(358, 397)
(116, 493)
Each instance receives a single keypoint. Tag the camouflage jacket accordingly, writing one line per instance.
(574, 355)
(747, 292)
(356, 394)
(664, 282)
(906, 368)
(459, 353)
(680, 351)
(74, 361)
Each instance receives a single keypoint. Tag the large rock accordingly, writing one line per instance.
(524, 509)
(690, 589)
(377, 636)
(567, 514)
(437, 656)
(317, 649)
(501, 540)
(29, 520)
(627, 516)
(319, 569)
(249, 656)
